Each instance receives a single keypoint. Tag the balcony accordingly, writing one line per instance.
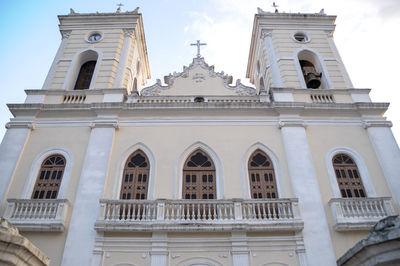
(37, 215)
(359, 213)
(199, 215)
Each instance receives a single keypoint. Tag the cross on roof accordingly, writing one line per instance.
(198, 44)
(275, 6)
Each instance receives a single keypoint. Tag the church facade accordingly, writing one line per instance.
(199, 170)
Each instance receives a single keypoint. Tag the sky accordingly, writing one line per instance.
(366, 36)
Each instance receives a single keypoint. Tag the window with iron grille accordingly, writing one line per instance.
(199, 177)
(262, 177)
(348, 177)
(135, 178)
(49, 179)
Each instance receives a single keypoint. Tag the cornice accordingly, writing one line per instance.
(291, 123)
(376, 123)
(21, 124)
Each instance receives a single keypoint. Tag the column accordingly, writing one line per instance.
(81, 236)
(11, 149)
(240, 250)
(159, 249)
(304, 182)
(123, 59)
(65, 35)
(388, 153)
(276, 76)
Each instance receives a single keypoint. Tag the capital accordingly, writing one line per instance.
(265, 33)
(128, 33)
(65, 34)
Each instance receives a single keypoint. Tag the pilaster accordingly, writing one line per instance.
(65, 35)
(240, 250)
(305, 186)
(81, 234)
(11, 149)
(123, 60)
(159, 249)
(388, 153)
(276, 76)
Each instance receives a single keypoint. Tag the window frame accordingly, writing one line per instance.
(135, 178)
(197, 172)
(362, 168)
(35, 168)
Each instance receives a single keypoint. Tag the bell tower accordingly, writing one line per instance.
(295, 51)
(100, 51)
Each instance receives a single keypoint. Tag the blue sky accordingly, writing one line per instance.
(366, 36)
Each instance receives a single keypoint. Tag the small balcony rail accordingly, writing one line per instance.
(37, 215)
(199, 215)
(359, 213)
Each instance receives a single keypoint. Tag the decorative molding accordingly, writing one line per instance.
(239, 88)
(291, 123)
(20, 124)
(129, 33)
(104, 124)
(265, 33)
(377, 123)
(65, 34)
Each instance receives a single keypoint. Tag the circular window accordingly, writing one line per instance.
(301, 37)
(94, 37)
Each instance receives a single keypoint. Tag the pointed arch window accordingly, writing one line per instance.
(85, 76)
(49, 178)
(348, 177)
(135, 178)
(199, 177)
(262, 177)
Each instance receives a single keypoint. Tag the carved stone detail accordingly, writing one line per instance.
(128, 33)
(65, 34)
(265, 33)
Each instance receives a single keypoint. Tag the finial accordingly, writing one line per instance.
(71, 11)
(119, 7)
(198, 44)
(275, 6)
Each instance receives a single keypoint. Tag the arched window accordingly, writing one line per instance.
(135, 178)
(85, 76)
(311, 70)
(49, 179)
(348, 177)
(262, 176)
(199, 177)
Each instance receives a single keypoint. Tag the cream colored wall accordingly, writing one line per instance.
(51, 243)
(206, 247)
(285, 48)
(167, 143)
(321, 140)
(110, 46)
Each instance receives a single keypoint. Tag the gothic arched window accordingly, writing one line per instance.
(199, 177)
(348, 177)
(85, 76)
(262, 176)
(49, 179)
(135, 178)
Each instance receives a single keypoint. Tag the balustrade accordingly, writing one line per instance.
(359, 213)
(119, 215)
(37, 215)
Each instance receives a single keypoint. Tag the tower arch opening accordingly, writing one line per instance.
(311, 69)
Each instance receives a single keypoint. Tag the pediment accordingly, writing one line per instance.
(198, 79)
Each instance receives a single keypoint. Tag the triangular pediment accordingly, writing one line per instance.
(198, 79)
